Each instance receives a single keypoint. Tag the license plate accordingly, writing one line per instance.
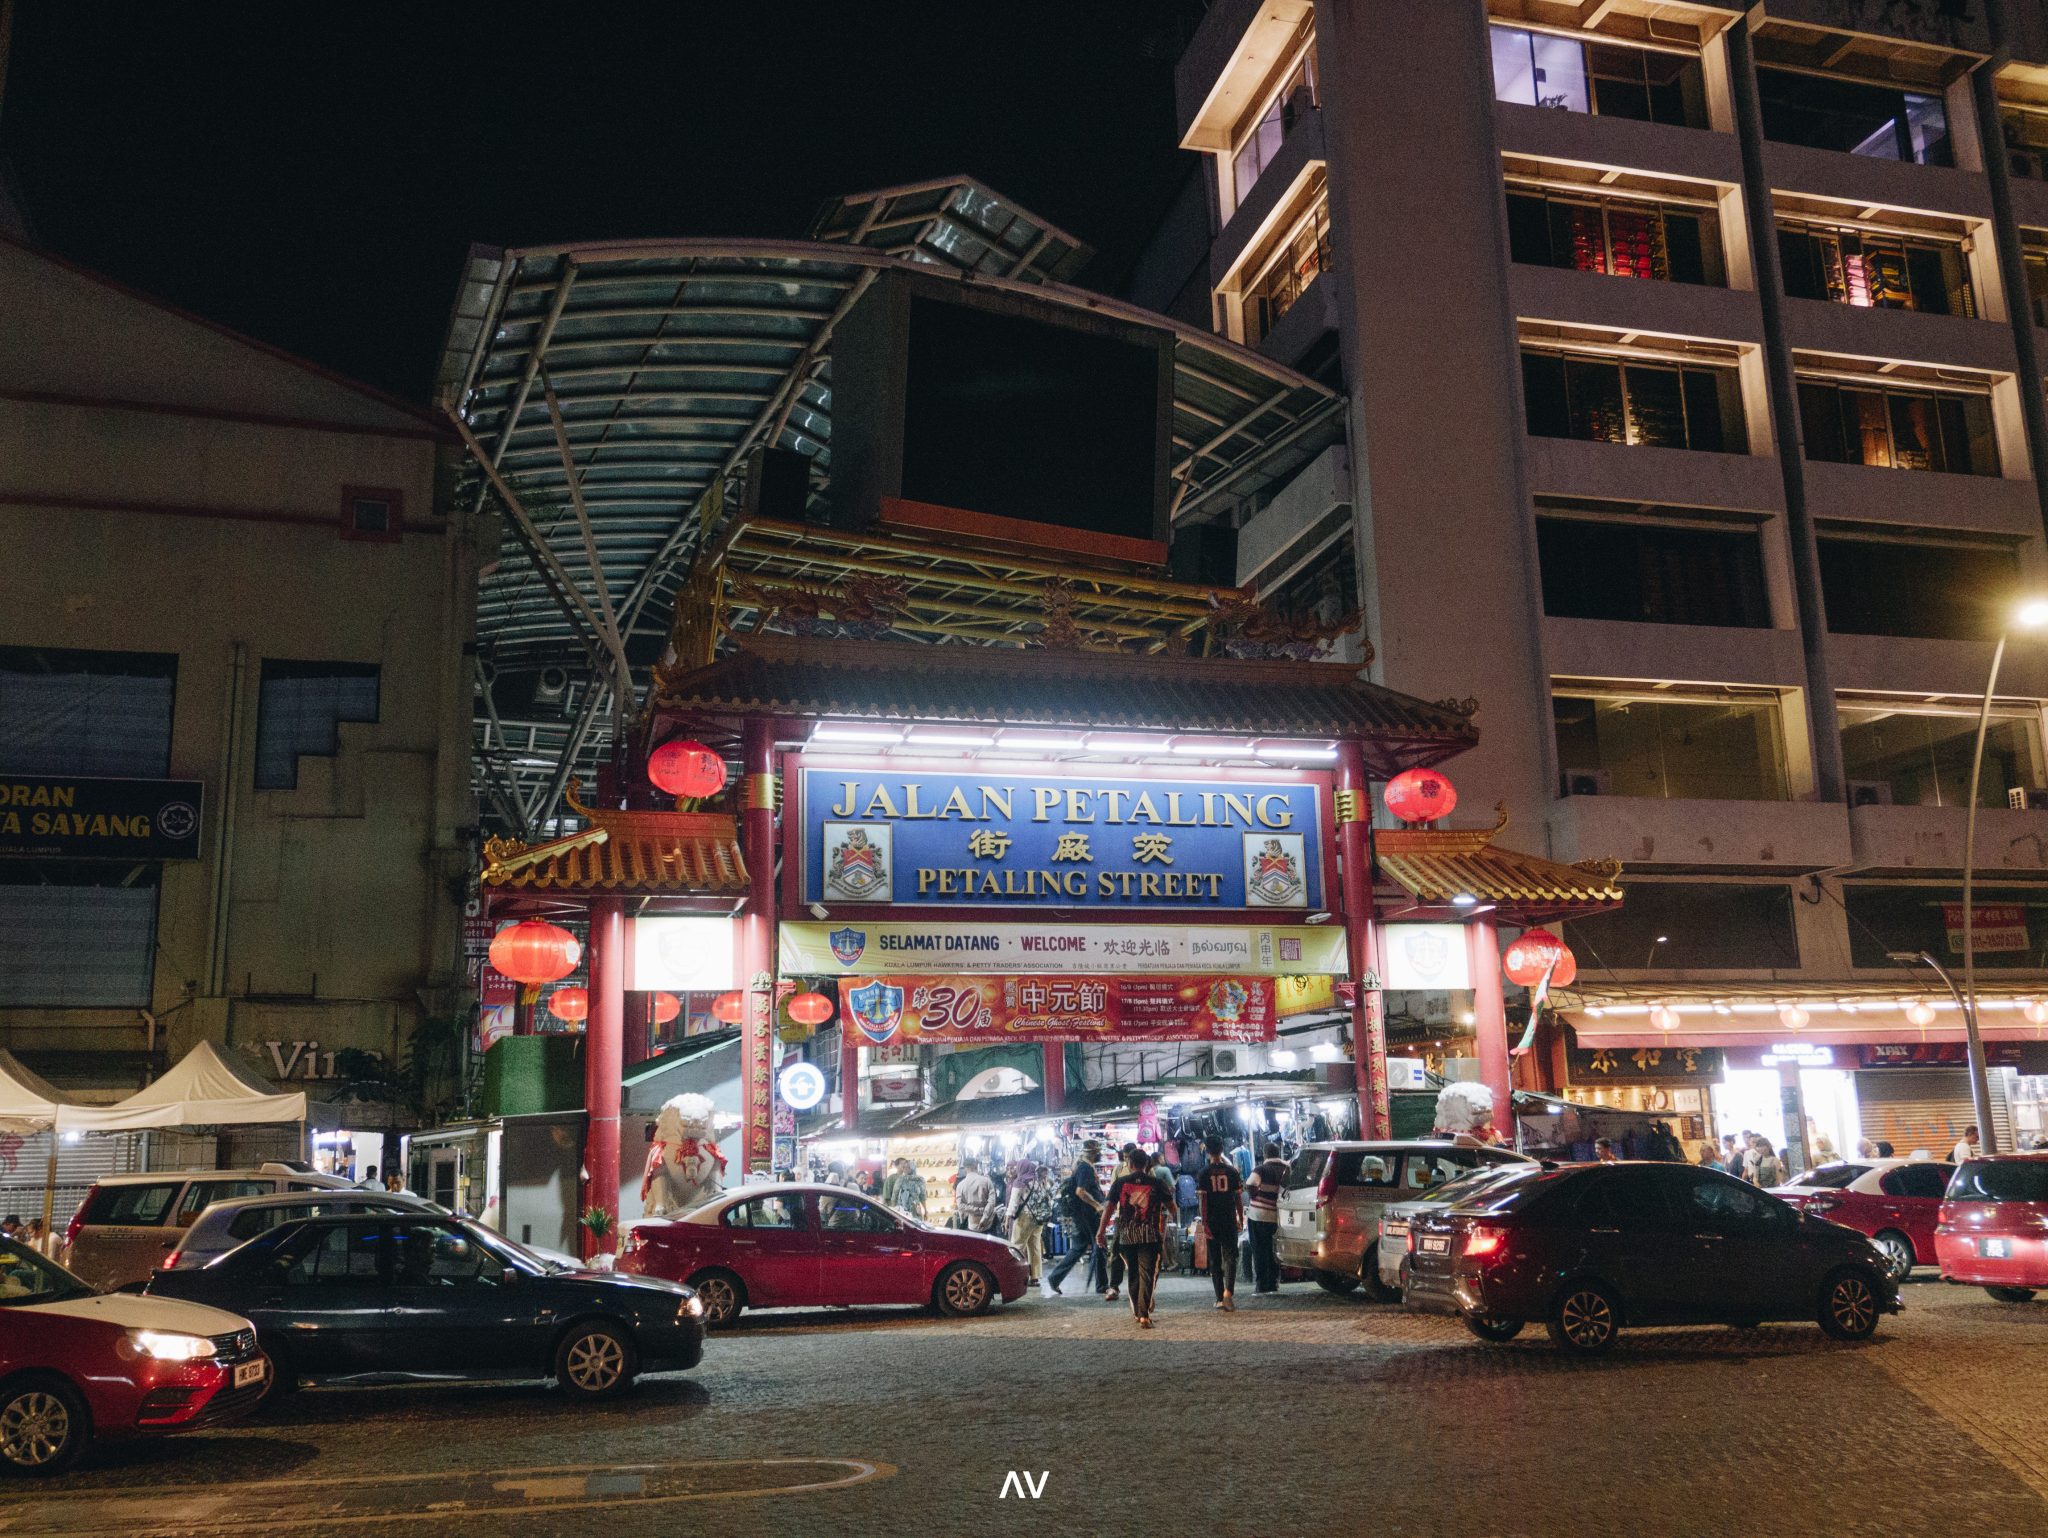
(1995, 1249)
(247, 1373)
(1296, 1219)
(1435, 1244)
(1397, 1230)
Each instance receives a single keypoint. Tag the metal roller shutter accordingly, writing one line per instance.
(25, 1166)
(1926, 1107)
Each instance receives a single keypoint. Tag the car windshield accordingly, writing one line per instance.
(1511, 1189)
(2000, 1180)
(511, 1249)
(26, 1277)
(1465, 1186)
(1831, 1177)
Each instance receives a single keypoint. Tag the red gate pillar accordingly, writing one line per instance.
(849, 1076)
(1053, 1076)
(603, 1038)
(757, 948)
(1490, 1022)
(1368, 1024)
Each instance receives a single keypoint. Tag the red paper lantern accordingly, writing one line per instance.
(810, 1009)
(686, 769)
(666, 1007)
(1420, 795)
(570, 1004)
(533, 953)
(1534, 954)
(730, 1007)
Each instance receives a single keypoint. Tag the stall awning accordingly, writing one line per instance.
(812, 677)
(28, 1102)
(1437, 865)
(675, 854)
(204, 1089)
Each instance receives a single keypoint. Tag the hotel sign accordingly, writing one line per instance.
(857, 950)
(966, 838)
(68, 817)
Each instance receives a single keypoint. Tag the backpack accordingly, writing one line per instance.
(1038, 1202)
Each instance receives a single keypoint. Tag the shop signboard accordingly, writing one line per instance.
(1425, 958)
(1304, 995)
(1642, 1065)
(894, 1089)
(1993, 927)
(856, 949)
(984, 1011)
(989, 838)
(681, 954)
(73, 817)
(1936, 1054)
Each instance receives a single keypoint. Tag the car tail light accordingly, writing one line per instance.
(171, 1260)
(1327, 1186)
(1482, 1241)
(77, 1222)
(1821, 1206)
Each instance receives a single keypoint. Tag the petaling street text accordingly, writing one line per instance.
(967, 881)
(1110, 806)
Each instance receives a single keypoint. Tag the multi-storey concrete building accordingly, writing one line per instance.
(1695, 422)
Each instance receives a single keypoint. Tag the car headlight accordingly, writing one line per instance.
(694, 1306)
(169, 1345)
(1016, 1254)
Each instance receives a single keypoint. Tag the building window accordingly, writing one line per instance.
(1646, 404)
(1691, 925)
(1724, 745)
(1829, 113)
(1540, 69)
(1889, 916)
(2026, 141)
(86, 713)
(1668, 242)
(76, 934)
(1875, 271)
(1652, 572)
(374, 513)
(1906, 753)
(1287, 269)
(1263, 135)
(1915, 587)
(1897, 429)
(2034, 259)
(303, 706)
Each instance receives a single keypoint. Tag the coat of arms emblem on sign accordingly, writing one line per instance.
(857, 861)
(1273, 875)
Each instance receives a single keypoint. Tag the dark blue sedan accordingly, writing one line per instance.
(422, 1295)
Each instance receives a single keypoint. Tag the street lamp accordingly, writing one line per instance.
(2031, 615)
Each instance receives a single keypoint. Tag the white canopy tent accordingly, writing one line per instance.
(205, 1088)
(28, 1102)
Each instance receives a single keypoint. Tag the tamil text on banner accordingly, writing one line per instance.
(851, 950)
(971, 838)
(1994, 926)
(985, 1010)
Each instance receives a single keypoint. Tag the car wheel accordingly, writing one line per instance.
(2012, 1294)
(1378, 1290)
(722, 1295)
(1486, 1327)
(1585, 1318)
(44, 1426)
(1897, 1250)
(1331, 1282)
(1849, 1305)
(283, 1380)
(964, 1289)
(595, 1360)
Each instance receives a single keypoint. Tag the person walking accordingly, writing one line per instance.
(904, 1189)
(1080, 1196)
(1222, 1200)
(1030, 1208)
(975, 1200)
(1187, 1199)
(1262, 1212)
(1767, 1169)
(1136, 1206)
(1737, 1163)
(1113, 1280)
(1966, 1145)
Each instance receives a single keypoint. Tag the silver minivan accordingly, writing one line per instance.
(128, 1225)
(1330, 1208)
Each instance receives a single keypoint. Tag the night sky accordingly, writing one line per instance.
(313, 175)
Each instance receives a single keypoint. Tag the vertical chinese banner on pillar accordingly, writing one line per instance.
(758, 1043)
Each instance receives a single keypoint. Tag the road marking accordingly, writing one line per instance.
(279, 1505)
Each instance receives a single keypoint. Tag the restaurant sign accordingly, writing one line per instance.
(1643, 1065)
(966, 838)
(1935, 1054)
(984, 1011)
(68, 817)
(851, 949)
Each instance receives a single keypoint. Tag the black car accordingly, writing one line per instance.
(1590, 1248)
(421, 1295)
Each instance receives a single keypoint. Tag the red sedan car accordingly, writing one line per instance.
(78, 1365)
(1895, 1202)
(1994, 1226)
(807, 1246)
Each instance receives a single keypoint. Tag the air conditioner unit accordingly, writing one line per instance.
(1870, 793)
(551, 685)
(1586, 782)
(1225, 1061)
(2025, 798)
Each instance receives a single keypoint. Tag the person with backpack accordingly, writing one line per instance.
(1030, 1209)
(1137, 1205)
(1262, 1204)
(975, 1206)
(1080, 1196)
(1187, 1196)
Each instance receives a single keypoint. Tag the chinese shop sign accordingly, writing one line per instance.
(1643, 1065)
(967, 839)
(983, 1011)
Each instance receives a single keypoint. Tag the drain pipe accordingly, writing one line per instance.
(229, 780)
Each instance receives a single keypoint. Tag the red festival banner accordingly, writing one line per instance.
(983, 1010)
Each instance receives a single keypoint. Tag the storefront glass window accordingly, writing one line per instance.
(2011, 925)
(1904, 756)
(1726, 748)
(1691, 925)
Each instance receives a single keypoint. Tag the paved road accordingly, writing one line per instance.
(1298, 1414)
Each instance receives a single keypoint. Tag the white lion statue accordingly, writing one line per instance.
(1466, 1108)
(684, 1167)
